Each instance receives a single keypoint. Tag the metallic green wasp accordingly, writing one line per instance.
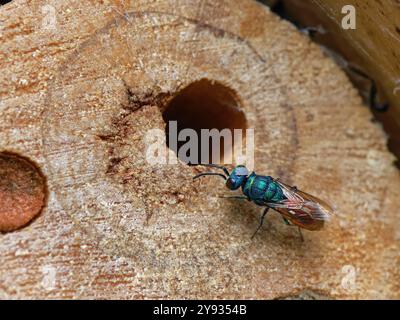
(296, 207)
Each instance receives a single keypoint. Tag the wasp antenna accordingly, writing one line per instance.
(261, 222)
(216, 166)
(210, 174)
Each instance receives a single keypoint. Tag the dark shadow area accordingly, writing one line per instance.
(4, 2)
(204, 104)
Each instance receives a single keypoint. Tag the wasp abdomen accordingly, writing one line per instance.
(262, 189)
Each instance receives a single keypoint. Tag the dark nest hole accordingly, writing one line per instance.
(205, 104)
(4, 2)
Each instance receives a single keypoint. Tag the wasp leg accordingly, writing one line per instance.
(291, 225)
(286, 221)
(261, 222)
(301, 234)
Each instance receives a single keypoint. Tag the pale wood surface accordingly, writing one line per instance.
(142, 232)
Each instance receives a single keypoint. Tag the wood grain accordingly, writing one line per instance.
(373, 48)
(78, 101)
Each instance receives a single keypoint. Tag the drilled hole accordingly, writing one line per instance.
(205, 104)
(22, 191)
(4, 2)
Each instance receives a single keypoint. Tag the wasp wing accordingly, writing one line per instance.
(302, 209)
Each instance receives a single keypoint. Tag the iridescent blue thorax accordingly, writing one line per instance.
(262, 189)
(259, 189)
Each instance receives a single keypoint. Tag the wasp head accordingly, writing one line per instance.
(237, 178)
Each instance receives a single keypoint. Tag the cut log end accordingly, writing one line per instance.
(117, 226)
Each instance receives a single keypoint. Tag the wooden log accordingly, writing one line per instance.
(81, 89)
(372, 47)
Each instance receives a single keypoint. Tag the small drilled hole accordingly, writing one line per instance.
(205, 104)
(22, 191)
